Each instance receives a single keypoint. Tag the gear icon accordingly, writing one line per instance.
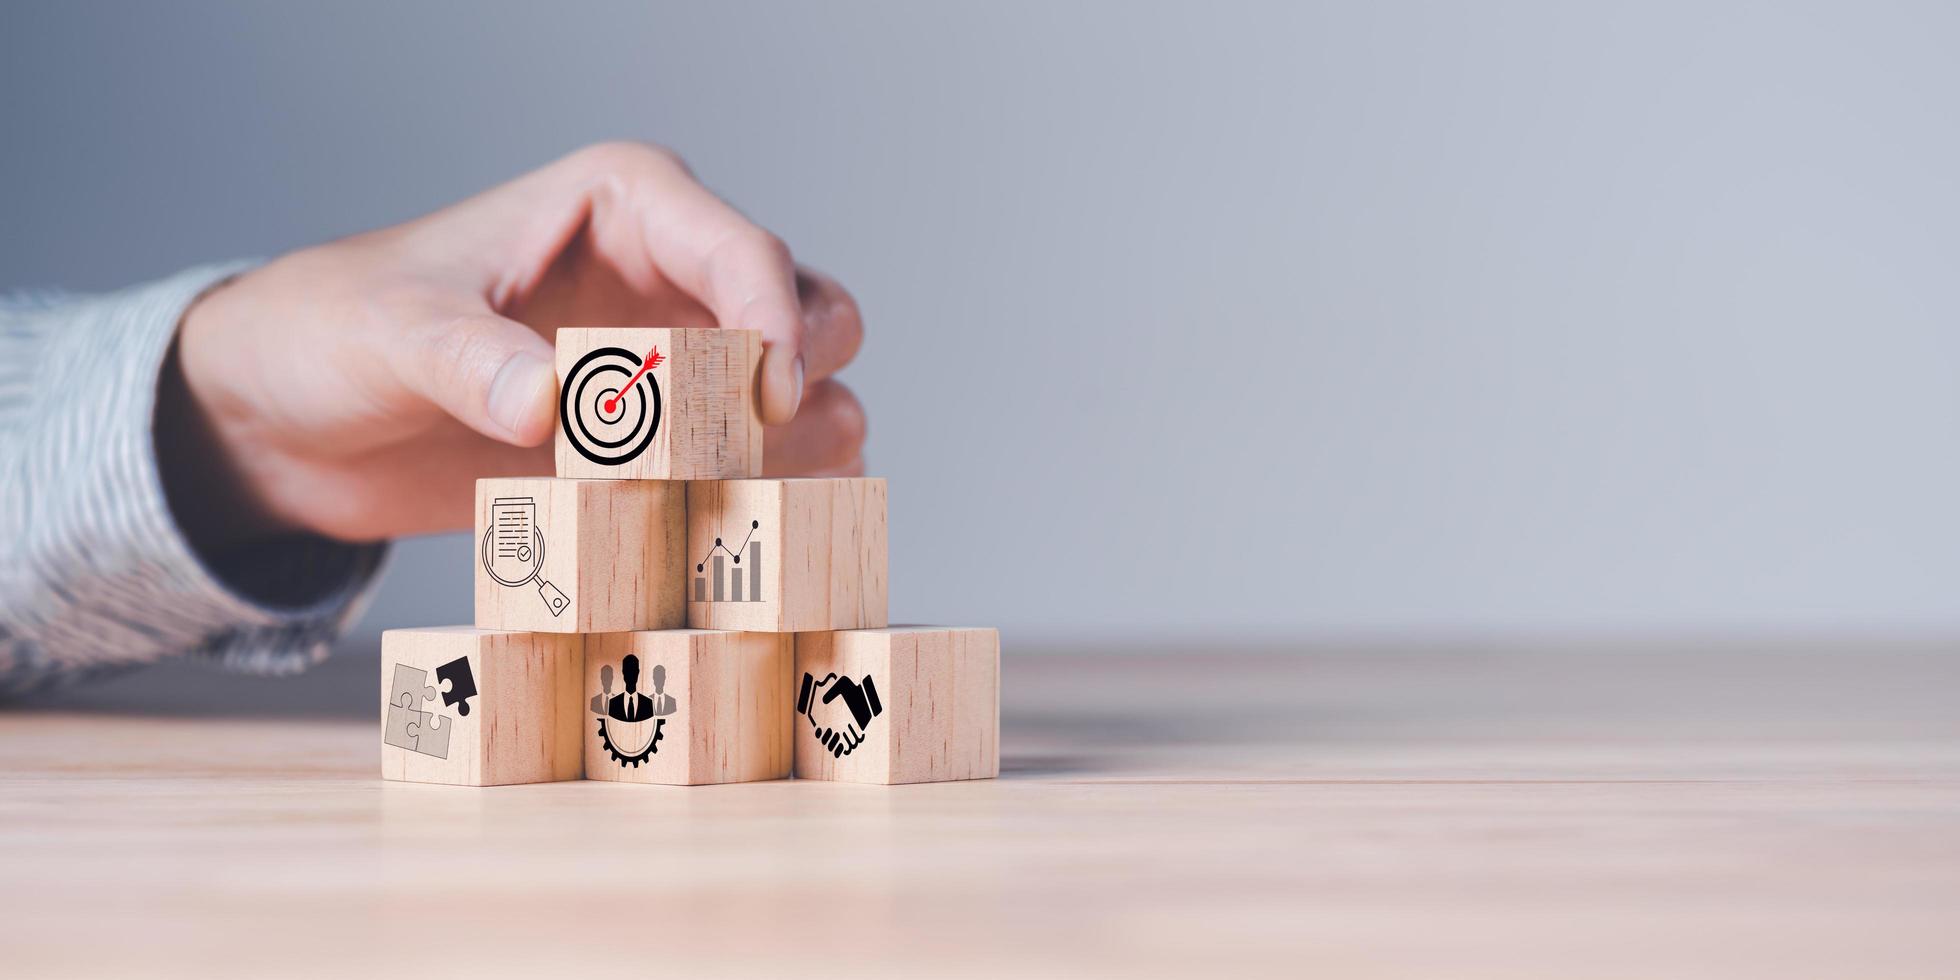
(627, 756)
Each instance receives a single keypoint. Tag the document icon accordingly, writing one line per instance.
(513, 549)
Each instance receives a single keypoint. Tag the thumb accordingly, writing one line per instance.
(492, 374)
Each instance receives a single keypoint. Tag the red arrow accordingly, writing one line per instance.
(653, 361)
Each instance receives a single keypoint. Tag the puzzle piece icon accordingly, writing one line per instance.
(408, 727)
(431, 734)
(400, 714)
(462, 685)
(411, 682)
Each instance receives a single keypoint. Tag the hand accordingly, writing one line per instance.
(840, 744)
(843, 713)
(358, 389)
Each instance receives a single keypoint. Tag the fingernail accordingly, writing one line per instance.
(796, 394)
(523, 382)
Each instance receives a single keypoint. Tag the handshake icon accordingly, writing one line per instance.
(839, 709)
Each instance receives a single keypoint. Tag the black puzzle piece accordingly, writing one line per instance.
(462, 684)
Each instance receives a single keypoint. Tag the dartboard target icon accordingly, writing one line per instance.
(610, 405)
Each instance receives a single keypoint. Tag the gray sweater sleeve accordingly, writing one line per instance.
(95, 574)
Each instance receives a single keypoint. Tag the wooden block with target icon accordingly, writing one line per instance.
(687, 707)
(784, 556)
(903, 704)
(579, 556)
(477, 707)
(658, 403)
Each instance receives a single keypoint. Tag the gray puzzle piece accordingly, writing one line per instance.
(407, 727)
(430, 738)
(411, 681)
(400, 715)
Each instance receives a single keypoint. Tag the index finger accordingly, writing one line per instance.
(743, 274)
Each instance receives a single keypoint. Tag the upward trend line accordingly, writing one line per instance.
(702, 565)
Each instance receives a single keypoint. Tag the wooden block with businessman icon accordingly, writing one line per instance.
(658, 403)
(903, 704)
(579, 556)
(785, 556)
(687, 707)
(475, 707)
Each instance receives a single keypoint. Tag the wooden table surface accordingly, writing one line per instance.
(1660, 810)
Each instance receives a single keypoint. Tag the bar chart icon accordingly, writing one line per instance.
(730, 566)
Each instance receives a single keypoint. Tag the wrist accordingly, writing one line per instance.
(205, 480)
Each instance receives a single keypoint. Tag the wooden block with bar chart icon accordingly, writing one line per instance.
(580, 556)
(785, 556)
(687, 707)
(658, 403)
(905, 704)
(476, 707)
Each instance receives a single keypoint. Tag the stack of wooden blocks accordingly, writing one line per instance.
(657, 613)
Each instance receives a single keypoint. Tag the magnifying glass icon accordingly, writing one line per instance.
(510, 560)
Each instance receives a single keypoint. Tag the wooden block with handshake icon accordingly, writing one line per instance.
(659, 613)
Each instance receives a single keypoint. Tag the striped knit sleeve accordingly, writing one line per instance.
(95, 574)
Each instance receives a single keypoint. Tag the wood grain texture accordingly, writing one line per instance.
(710, 424)
(1474, 811)
(940, 692)
(614, 548)
(822, 549)
(731, 717)
(522, 724)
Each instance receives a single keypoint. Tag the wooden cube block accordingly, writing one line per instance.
(580, 556)
(786, 555)
(686, 707)
(657, 403)
(479, 707)
(907, 704)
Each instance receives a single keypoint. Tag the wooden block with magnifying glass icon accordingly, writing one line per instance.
(579, 556)
(904, 704)
(687, 707)
(476, 707)
(786, 556)
(658, 403)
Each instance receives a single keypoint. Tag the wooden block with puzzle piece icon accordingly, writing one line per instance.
(786, 556)
(478, 707)
(580, 556)
(687, 707)
(904, 704)
(658, 403)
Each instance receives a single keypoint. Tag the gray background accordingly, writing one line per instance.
(1274, 320)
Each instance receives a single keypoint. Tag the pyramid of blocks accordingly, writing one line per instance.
(659, 613)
